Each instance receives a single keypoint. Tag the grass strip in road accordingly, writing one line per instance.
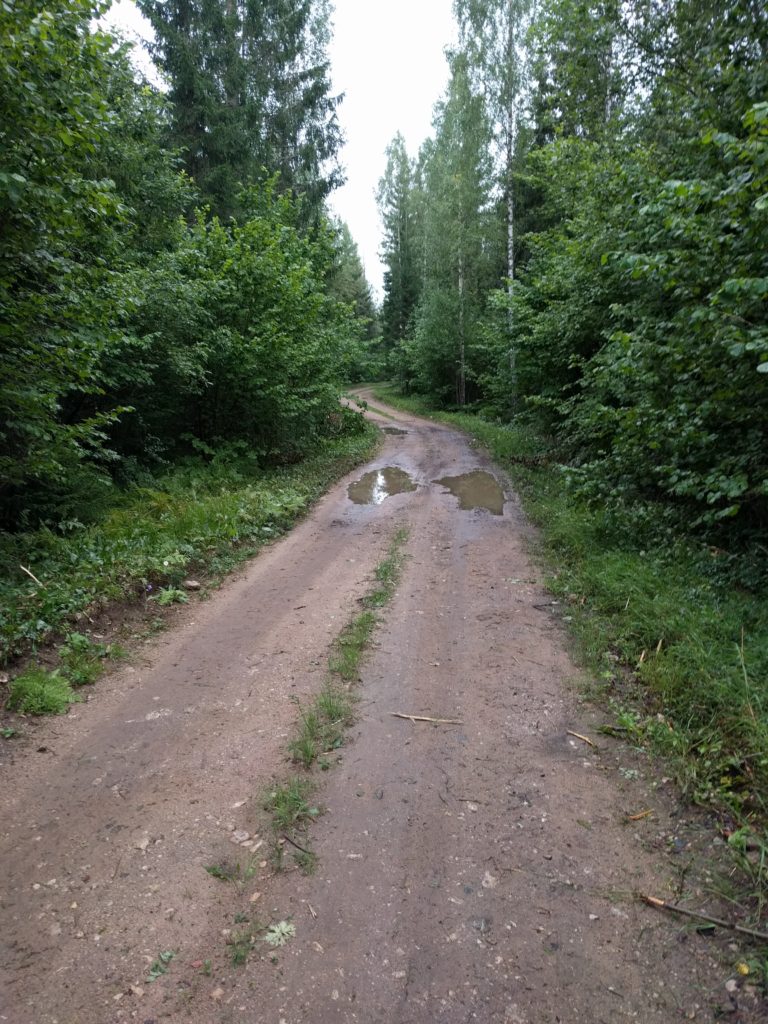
(679, 652)
(322, 724)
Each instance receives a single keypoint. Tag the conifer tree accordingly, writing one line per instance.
(250, 89)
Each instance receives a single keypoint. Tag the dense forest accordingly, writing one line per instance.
(170, 278)
(582, 245)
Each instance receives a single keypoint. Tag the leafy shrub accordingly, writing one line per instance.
(37, 692)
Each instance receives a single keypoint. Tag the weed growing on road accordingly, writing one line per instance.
(350, 645)
(321, 726)
(289, 804)
(224, 871)
(242, 942)
(160, 965)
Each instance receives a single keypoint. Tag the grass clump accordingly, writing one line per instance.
(289, 804)
(37, 692)
(350, 646)
(321, 727)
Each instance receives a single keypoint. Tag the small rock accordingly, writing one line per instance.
(217, 994)
(239, 836)
(731, 985)
(255, 896)
(191, 585)
(136, 990)
(143, 843)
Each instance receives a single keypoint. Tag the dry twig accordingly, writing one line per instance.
(426, 718)
(653, 901)
(31, 575)
(584, 739)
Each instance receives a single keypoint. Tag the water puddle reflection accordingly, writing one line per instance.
(477, 489)
(393, 430)
(379, 484)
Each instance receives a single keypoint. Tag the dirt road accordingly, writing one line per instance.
(481, 871)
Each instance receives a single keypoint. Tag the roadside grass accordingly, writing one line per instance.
(201, 518)
(680, 653)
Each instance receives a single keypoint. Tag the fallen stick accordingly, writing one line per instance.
(639, 816)
(302, 848)
(31, 575)
(652, 901)
(426, 718)
(584, 739)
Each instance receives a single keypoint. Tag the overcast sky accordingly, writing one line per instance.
(387, 58)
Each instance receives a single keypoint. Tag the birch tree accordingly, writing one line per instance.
(493, 34)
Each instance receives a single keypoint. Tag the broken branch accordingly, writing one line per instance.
(584, 739)
(673, 908)
(31, 575)
(302, 848)
(640, 815)
(426, 718)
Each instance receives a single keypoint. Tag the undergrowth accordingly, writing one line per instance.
(681, 652)
(201, 517)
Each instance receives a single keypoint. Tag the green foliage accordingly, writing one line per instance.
(57, 216)
(289, 804)
(169, 595)
(250, 90)
(160, 965)
(396, 198)
(202, 515)
(37, 692)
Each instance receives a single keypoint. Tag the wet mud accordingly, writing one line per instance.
(477, 489)
(375, 487)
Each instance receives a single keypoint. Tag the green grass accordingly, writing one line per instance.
(321, 726)
(666, 634)
(289, 804)
(350, 646)
(202, 517)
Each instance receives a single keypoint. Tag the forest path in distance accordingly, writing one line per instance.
(480, 871)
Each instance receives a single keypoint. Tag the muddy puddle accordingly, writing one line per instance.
(393, 430)
(477, 489)
(374, 487)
